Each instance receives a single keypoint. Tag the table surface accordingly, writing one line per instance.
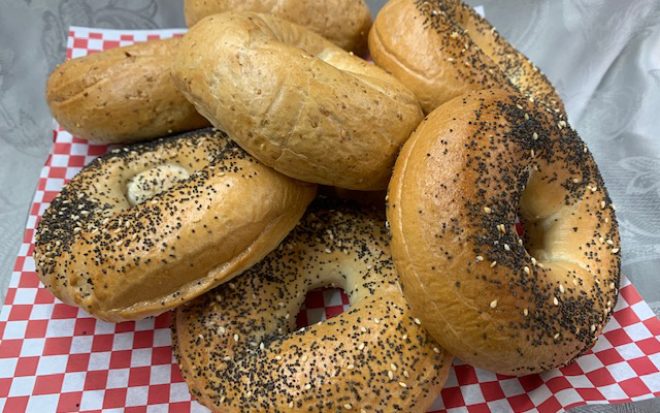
(602, 55)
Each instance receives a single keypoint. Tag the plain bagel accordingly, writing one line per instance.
(239, 351)
(121, 95)
(295, 101)
(344, 22)
(441, 49)
(510, 304)
(147, 227)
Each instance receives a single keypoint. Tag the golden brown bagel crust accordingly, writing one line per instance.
(441, 49)
(486, 296)
(117, 261)
(239, 351)
(344, 22)
(295, 101)
(121, 95)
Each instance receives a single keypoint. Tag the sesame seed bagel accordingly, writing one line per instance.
(499, 301)
(146, 227)
(239, 351)
(344, 22)
(295, 101)
(121, 95)
(441, 49)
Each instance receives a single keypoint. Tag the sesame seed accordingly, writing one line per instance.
(593, 328)
(348, 406)
(561, 288)
(393, 366)
(556, 336)
(527, 270)
(555, 301)
(416, 320)
(533, 261)
(308, 386)
(361, 346)
(436, 350)
(235, 337)
(526, 312)
(402, 384)
(615, 250)
(603, 204)
(612, 285)
(535, 136)
(493, 264)
(480, 258)
(487, 210)
(493, 303)
(506, 247)
(390, 374)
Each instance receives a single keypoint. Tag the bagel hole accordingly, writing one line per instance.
(321, 304)
(152, 181)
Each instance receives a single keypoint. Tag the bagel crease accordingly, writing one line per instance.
(441, 49)
(510, 304)
(121, 95)
(295, 101)
(344, 22)
(239, 351)
(147, 227)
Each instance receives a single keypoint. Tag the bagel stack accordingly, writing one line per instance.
(196, 221)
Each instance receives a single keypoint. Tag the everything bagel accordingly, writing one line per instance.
(147, 227)
(344, 22)
(295, 101)
(238, 350)
(121, 95)
(498, 301)
(441, 49)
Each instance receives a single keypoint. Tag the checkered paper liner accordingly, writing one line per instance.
(57, 357)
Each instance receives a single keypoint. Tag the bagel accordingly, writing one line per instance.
(295, 101)
(121, 95)
(147, 227)
(441, 49)
(510, 304)
(238, 350)
(344, 22)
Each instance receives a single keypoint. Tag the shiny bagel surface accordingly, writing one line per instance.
(149, 226)
(295, 101)
(510, 304)
(344, 22)
(441, 49)
(239, 350)
(121, 95)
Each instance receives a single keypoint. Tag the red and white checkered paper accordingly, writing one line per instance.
(57, 357)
